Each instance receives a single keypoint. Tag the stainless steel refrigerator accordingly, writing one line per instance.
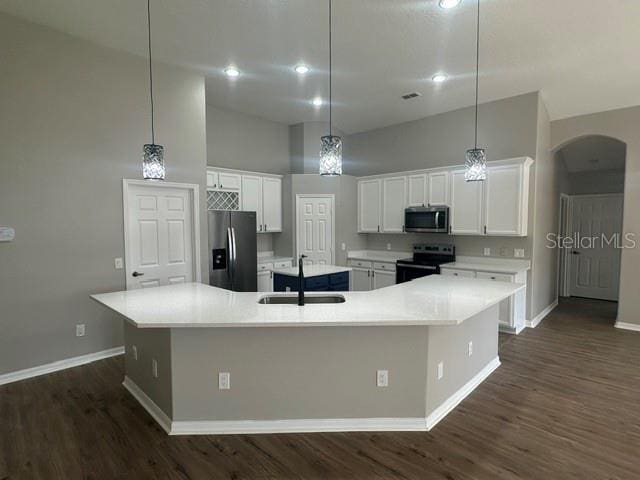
(233, 262)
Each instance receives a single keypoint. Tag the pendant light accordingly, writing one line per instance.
(476, 160)
(153, 155)
(331, 151)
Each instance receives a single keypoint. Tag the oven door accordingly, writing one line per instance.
(427, 219)
(406, 273)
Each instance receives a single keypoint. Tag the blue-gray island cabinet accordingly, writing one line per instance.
(317, 278)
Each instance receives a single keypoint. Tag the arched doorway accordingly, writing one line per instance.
(591, 185)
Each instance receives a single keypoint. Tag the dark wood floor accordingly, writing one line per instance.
(565, 404)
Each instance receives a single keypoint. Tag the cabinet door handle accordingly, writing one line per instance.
(265, 227)
(449, 229)
(485, 229)
(260, 227)
(378, 228)
(368, 273)
(373, 273)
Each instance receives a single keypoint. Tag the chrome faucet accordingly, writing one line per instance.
(301, 281)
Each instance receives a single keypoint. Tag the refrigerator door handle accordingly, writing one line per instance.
(230, 255)
(235, 254)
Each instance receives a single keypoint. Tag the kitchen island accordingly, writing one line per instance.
(201, 359)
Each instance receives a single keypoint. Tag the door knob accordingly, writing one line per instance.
(137, 274)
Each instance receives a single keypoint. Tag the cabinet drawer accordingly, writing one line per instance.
(359, 263)
(266, 266)
(282, 264)
(498, 277)
(387, 267)
(458, 273)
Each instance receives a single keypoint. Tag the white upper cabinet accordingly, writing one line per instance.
(466, 205)
(272, 204)
(507, 199)
(228, 181)
(212, 179)
(394, 200)
(252, 198)
(417, 190)
(369, 203)
(438, 188)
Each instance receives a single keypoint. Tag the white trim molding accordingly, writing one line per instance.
(454, 400)
(59, 365)
(628, 326)
(308, 425)
(538, 318)
(149, 405)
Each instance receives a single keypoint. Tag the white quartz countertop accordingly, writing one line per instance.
(377, 255)
(487, 264)
(312, 270)
(432, 300)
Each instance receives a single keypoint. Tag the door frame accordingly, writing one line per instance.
(564, 259)
(569, 260)
(332, 197)
(194, 195)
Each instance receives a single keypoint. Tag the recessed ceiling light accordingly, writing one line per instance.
(301, 69)
(439, 77)
(232, 72)
(317, 102)
(449, 3)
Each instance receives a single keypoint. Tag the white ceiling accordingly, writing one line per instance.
(594, 153)
(582, 54)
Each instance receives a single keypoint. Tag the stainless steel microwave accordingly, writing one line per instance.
(427, 219)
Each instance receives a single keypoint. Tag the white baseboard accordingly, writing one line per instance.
(149, 405)
(59, 365)
(538, 318)
(628, 326)
(454, 400)
(307, 425)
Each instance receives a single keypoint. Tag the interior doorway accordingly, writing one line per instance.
(591, 185)
(315, 226)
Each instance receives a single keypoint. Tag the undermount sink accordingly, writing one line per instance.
(293, 299)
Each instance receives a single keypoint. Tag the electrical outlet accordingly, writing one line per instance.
(118, 263)
(154, 368)
(224, 381)
(440, 370)
(518, 252)
(487, 252)
(388, 246)
(382, 378)
(134, 352)
(470, 349)
(343, 246)
(80, 330)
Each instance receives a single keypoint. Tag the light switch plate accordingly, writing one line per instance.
(382, 378)
(440, 370)
(224, 381)
(118, 263)
(7, 234)
(518, 252)
(80, 330)
(470, 349)
(154, 368)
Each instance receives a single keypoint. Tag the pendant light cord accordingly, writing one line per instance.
(330, 74)
(477, 72)
(153, 137)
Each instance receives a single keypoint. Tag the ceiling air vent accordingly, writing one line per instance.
(408, 96)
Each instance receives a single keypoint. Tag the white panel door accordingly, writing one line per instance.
(369, 200)
(503, 200)
(383, 279)
(159, 236)
(595, 266)
(252, 198)
(360, 279)
(394, 201)
(417, 190)
(466, 205)
(272, 204)
(315, 229)
(438, 188)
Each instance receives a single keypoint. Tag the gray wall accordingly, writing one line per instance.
(623, 125)
(73, 119)
(244, 142)
(507, 128)
(345, 190)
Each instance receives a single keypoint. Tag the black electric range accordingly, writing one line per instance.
(426, 260)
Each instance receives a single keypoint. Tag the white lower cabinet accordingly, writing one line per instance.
(368, 275)
(360, 279)
(265, 281)
(512, 310)
(383, 279)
